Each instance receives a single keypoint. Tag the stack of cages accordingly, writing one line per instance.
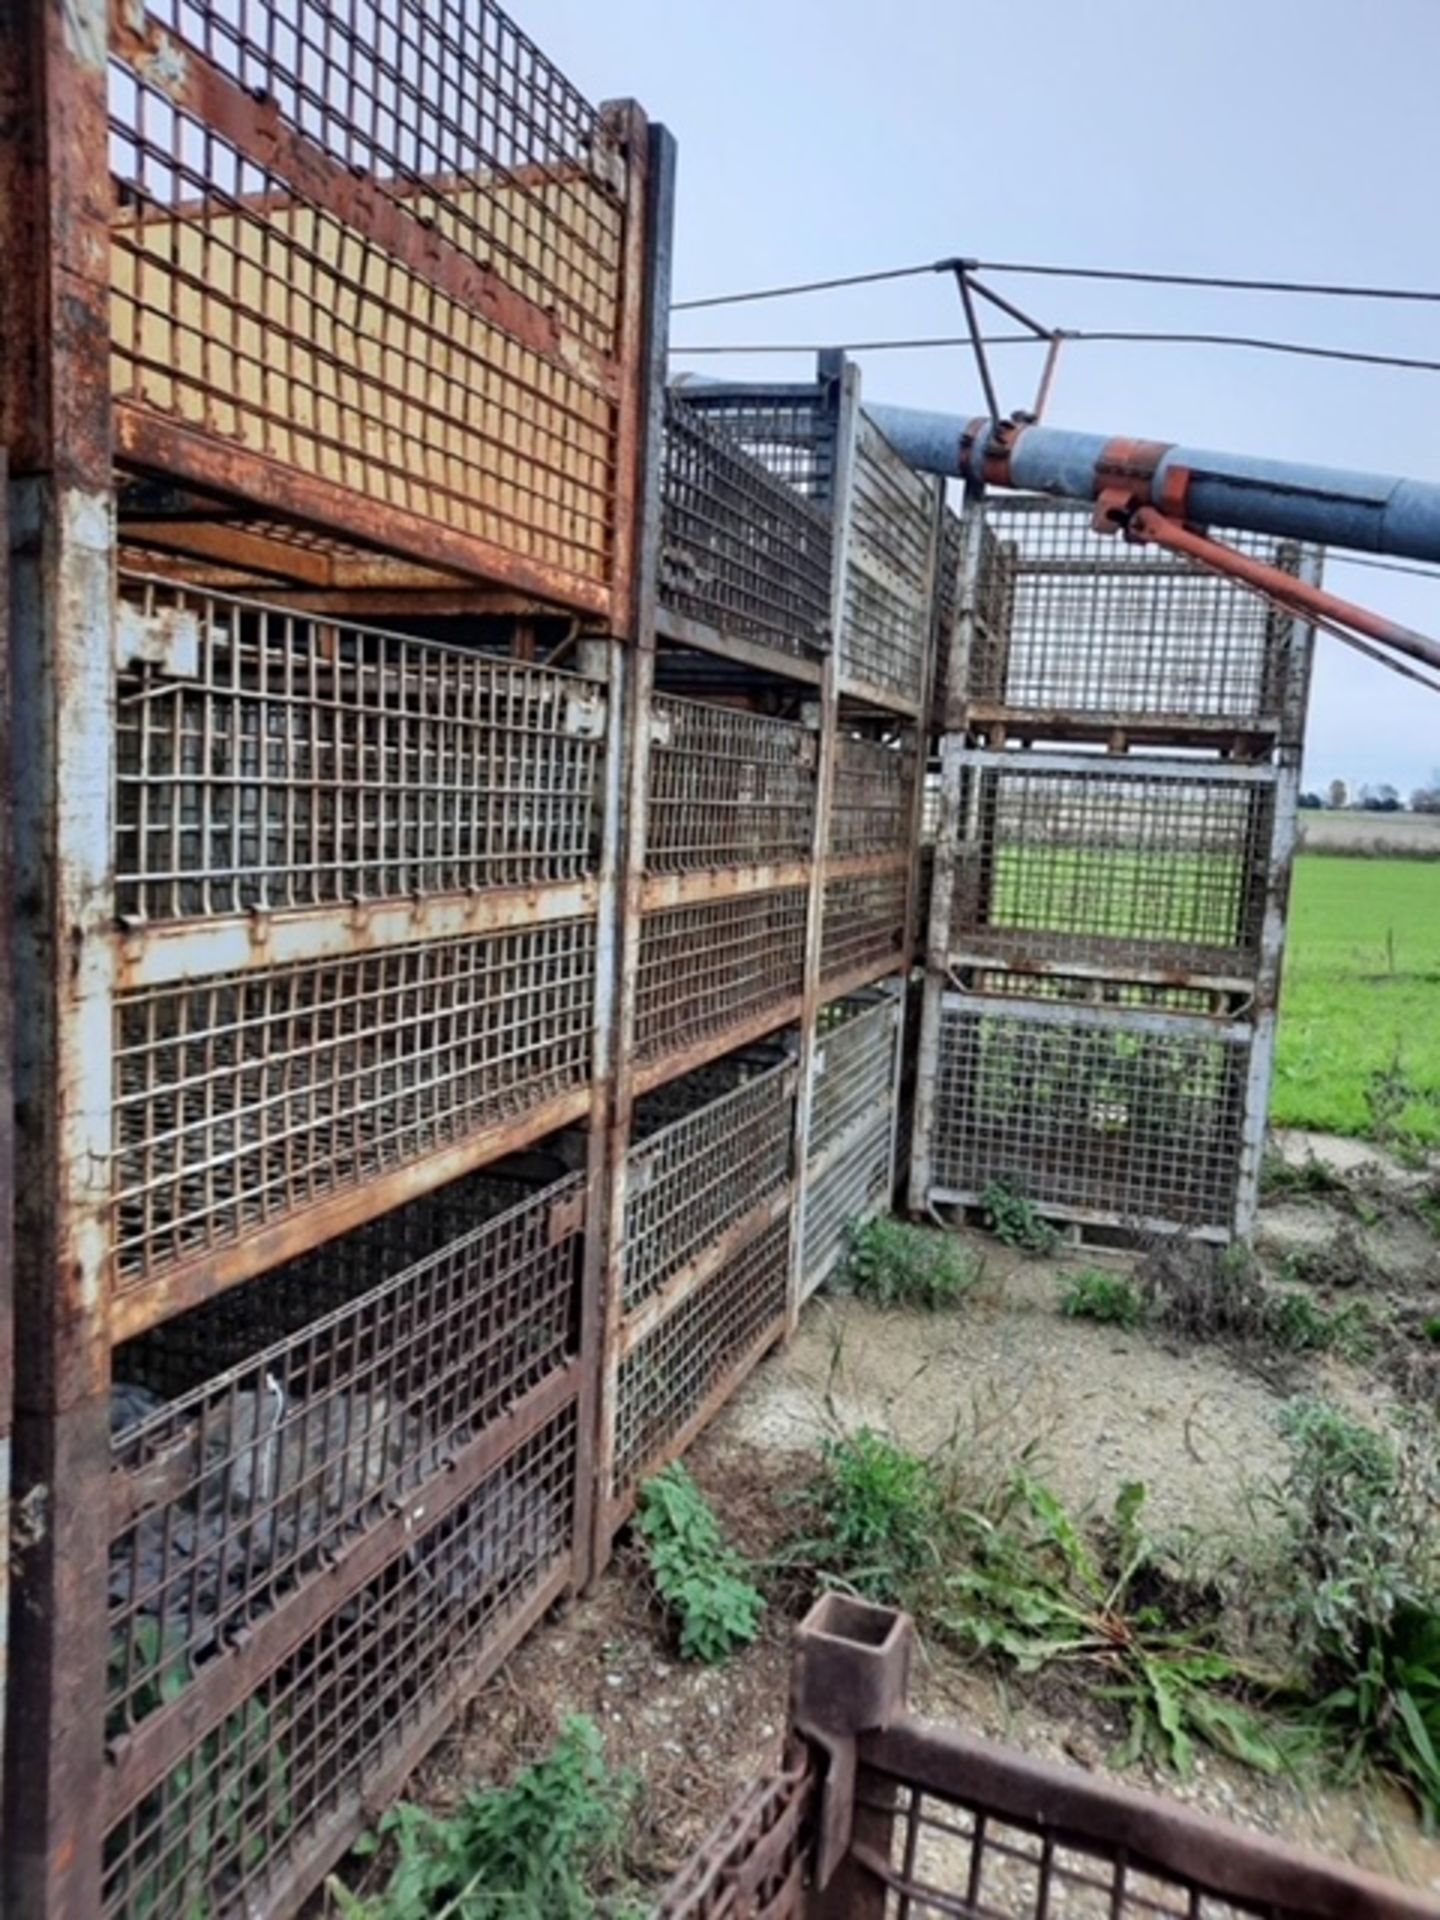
(1118, 775)
(770, 829)
(325, 550)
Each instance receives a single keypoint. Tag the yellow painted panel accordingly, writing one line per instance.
(282, 330)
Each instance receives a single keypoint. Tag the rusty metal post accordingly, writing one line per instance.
(850, 1676)
(856, 1892)
(840, 382)
(54, 345)
(620, 922)
(651, 176)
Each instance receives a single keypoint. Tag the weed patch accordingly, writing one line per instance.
(1093, 1294)
(1036, 1591)
(1298, 1323)
(1307, 1179)
(1335, 1651)
(1202, 1293)
(894, 1264)
(1012, 1218)
(1341, 1262)
(878, 1520)
(1205, 1294)
(703, 1584)
(1007, 1573)
(548, 1844)
(1360, 1599)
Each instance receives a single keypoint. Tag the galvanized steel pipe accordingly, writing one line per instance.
(1331, 506)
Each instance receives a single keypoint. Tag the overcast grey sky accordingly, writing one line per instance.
(1292, 139)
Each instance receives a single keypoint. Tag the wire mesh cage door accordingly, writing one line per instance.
(851, 1126)
(703, 1256)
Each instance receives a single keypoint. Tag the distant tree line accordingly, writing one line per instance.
(1377, 799)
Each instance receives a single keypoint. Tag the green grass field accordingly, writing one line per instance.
(1359, 1047)
(1187, 898)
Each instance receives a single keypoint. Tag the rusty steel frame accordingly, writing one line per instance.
(610, 1146)
(872, 1811)
(942, 862)
(54, 345)
(820, 987)
(752, 1865)
(969, 962)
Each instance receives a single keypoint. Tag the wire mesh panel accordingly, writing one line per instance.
(1114, 863)
(885, 632)
(385, 255)
(242, 1099)
(705, 970)
(863, 924)
(696, 1178)
(849, 1151)
(950, 1856)
(1076, 630)
(1126, 1110)
(268, 759)
(853, 1185)
(727, 788)
(256, 1437)
(754, 1862)
(740, 551)
(791, 431)
(853, 1067)
(871, 794)
(276, 1780)
(683, 1368)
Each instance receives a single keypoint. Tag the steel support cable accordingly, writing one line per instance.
(1220, 283)
(1085, 336)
